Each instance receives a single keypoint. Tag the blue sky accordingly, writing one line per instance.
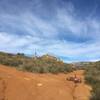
(68, 29)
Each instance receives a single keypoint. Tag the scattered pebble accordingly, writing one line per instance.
(39, 84)
(27, 79)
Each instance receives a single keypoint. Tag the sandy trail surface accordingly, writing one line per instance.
(17, 85)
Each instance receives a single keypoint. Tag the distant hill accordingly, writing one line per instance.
(43, 64)
(47, 56)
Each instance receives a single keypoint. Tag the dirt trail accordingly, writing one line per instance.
(17, 85)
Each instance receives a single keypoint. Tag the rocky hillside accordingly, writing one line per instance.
(43, 64)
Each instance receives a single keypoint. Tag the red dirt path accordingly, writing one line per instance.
(17, 85)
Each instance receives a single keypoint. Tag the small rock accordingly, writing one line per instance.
(39, 84)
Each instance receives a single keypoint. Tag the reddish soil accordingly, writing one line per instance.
(17, 85)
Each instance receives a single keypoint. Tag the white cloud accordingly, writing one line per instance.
(43, 35)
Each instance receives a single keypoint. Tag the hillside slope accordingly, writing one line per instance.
(17, 85)
(41, 64)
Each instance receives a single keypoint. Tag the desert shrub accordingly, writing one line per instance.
(96, 92)
(92, 77)
(28, 68)
(43, 64)
(91, 80)
(53, 69)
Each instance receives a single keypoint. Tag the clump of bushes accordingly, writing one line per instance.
(43, 64)
(92, 77)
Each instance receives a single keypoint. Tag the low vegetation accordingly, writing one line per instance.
(43, 64)
(92, 77)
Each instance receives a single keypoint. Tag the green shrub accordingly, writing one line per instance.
(92, 77)
(43, 64)
(96, 93)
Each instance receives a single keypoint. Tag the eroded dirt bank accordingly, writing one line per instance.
(17, 85)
